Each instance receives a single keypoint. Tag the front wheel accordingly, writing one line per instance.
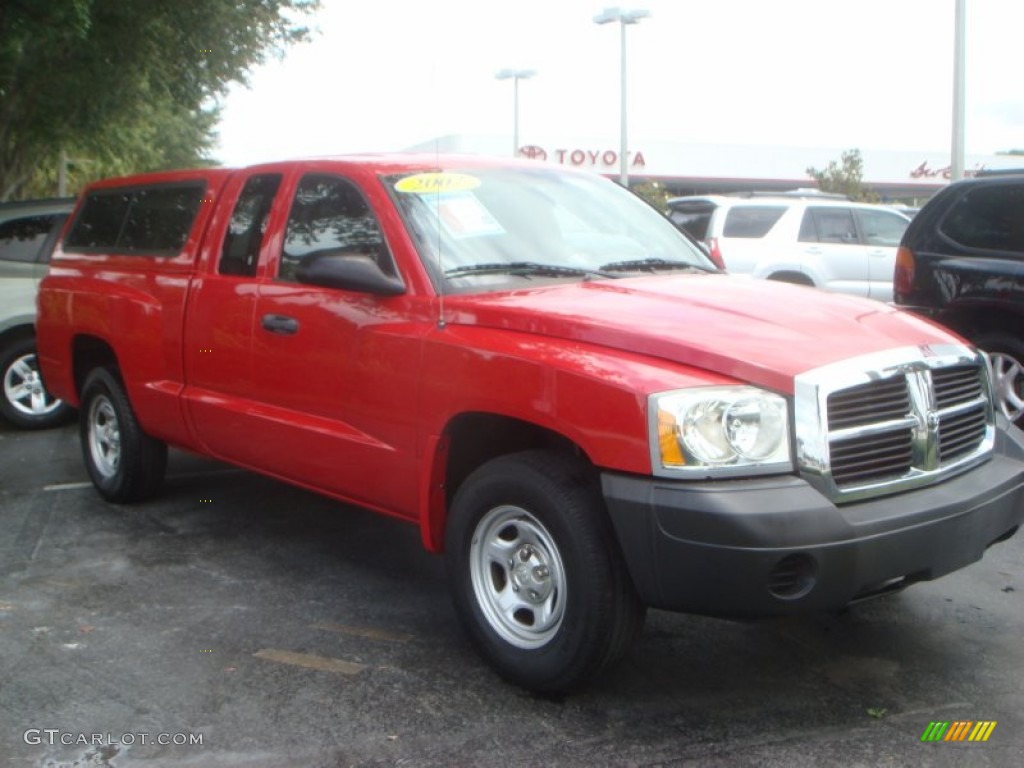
(1007, 355)
(538, 579)
(124, 463)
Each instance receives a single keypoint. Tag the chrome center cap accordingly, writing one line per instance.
(530, 575)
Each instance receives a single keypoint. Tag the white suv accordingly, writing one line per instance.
(28, 231)
(808, 238)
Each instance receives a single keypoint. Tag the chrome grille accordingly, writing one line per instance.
(957, 385)
(884, 423)
(962, 390)
(872, 457)
(868, 404)
(871, 432)
(960, 434)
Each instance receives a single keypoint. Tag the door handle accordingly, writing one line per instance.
(279, 324)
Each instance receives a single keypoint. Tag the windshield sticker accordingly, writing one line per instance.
(434, 183)
(464, 216)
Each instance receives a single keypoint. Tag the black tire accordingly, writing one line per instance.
(124, 463)
(25, 403)
(1007, 355)
(537, 576)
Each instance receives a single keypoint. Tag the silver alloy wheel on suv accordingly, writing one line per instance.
(26, 403)
(24, 390)
(1008, 381)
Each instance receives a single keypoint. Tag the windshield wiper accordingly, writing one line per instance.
(650, 265)
(527, 268)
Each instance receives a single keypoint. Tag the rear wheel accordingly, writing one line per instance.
(124, 463)
(1007, 355)
(538, 579)
(26, 403)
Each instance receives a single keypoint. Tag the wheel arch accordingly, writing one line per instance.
(16, 333)
(87, 353)
(468, 441)
(791, 276)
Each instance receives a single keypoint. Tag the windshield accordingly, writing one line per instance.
(501, 228)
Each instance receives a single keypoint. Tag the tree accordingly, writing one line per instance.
(653, 193)
(844, 177)
(124, 85)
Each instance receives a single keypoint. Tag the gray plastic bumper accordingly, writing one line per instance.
(775, 546)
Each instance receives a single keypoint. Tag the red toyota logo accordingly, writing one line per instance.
(533, 152)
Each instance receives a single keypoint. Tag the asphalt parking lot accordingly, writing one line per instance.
(283, 629)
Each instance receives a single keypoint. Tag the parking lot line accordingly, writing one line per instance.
(309, 661)
(367, 632)
(182, 476)
(67, 486)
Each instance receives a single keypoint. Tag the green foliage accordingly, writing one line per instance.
(844, 177)
(1012, 152)
(653, 193)
(124, 85)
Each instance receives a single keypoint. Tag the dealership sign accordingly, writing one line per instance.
(589, 158)
(925, 171)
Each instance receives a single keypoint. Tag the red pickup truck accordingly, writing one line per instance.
(542, 373)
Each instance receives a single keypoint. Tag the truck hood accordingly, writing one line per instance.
(756, 331)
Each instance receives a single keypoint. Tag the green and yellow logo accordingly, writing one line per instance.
(959, 730)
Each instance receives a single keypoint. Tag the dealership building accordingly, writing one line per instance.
(687, 169)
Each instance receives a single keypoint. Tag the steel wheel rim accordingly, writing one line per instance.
(104, 436)
(1009, 384)
(24, 390)
(518, 577)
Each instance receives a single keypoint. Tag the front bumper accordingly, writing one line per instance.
(775, 546)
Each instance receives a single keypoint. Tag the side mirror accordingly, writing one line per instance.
(348, 271)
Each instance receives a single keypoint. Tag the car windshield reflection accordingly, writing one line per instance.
(493, 229)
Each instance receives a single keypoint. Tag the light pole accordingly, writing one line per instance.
(515, 75)
(959, 46)
(624, 17)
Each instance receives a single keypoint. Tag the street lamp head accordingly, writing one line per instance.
(518, 74)
(621, 15)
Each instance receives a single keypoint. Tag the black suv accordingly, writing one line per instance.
(961, 263)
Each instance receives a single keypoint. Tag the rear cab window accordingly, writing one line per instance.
(152, 220)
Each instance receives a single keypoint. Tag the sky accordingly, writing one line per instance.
(383, 75)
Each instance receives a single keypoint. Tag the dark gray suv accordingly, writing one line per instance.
(961, 263)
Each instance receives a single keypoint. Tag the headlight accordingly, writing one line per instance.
(719, 430)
